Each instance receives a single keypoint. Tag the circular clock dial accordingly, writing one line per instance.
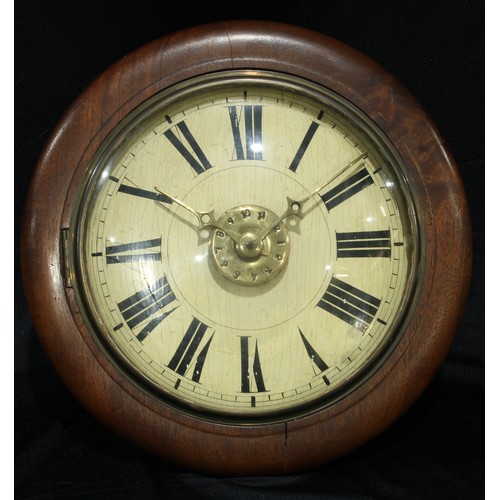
(246, 245)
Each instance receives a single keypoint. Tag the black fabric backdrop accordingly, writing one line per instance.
(436, 49)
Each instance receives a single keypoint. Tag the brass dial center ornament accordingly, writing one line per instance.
(237, 248)
(258, 252)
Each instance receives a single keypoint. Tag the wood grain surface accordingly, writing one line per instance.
(258, 449)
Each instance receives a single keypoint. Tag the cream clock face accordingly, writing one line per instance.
(246, 246)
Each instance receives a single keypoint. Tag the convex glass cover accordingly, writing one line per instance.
(246, 246)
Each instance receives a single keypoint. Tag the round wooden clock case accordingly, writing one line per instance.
(275, 443)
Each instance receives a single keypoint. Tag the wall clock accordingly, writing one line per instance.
(246, 248)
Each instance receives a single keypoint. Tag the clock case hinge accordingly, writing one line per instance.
(67, 267)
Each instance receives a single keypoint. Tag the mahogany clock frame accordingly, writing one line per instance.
(265, 448)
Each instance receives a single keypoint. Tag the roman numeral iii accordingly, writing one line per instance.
(364, 244)
(349, 304)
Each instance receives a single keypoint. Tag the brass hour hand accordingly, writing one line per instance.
(205, 219)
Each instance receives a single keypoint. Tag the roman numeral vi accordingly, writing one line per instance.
(253, 376)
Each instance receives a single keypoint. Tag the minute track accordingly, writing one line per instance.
(222, 337)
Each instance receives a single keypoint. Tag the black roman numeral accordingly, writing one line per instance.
(314, 356)
(364, 244)
(143, 193)
(305, 144)
(252, 131)
(249, 378)
(354, 184)
(131, 252)
(190, 343)
(145, 305)
(350, 304)
(198, 164)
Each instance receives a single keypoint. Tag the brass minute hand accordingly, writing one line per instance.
(295, 207)
(205, 219)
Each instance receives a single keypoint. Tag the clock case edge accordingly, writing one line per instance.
(296, 444)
